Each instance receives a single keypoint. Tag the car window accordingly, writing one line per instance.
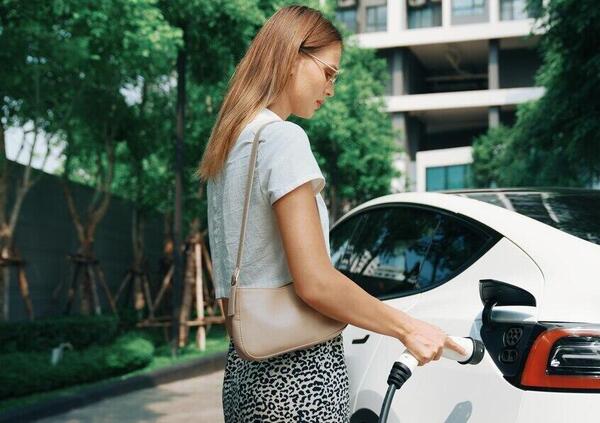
(577, 214)
(454, 245)
(340, 240)
(396, 251)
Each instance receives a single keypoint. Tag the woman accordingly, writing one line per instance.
(289, 69)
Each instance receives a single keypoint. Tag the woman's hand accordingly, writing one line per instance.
(426, 342)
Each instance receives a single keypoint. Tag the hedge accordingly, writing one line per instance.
(43, 335)
(26, 373)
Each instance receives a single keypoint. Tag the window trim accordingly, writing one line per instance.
(379, 26)
(472, 8)
(494, 238)
(512, 11)
(467, 173)
(429, 5)
(343, 10)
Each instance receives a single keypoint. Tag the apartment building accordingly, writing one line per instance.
(457, 67)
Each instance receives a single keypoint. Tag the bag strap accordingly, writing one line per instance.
(236, 272)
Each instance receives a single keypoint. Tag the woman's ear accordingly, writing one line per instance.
(295, 66)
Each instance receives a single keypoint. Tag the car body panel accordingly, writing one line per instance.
(456, 389)
(360, 355)
(559, 407)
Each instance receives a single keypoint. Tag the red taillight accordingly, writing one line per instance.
(564, 358)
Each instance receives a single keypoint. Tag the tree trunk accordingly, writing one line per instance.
(86, 228)
(187, 298)
(334, 203)
(138, 260)
(4, 232)
(4, 177)
(177, 257)
(8, 223)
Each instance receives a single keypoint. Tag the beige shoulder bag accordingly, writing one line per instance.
(271, 321)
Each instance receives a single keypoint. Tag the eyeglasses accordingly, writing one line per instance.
(336, 72)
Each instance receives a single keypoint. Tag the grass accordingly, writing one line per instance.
(216, 341)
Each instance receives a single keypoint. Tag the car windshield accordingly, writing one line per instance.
(575, 213)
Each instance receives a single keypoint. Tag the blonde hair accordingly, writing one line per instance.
(262, 75)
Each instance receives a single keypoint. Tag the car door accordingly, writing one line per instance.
(381, 250)
(359, 344)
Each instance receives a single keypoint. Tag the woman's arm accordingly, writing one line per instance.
(331, 293)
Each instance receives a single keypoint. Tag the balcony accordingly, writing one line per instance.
(458, 67)
(462, 99)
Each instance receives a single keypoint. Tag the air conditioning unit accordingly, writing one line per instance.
(346, 3)
(416, 3)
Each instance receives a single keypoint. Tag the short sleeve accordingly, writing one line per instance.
(287, 161)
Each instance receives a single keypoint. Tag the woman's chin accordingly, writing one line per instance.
(306, 113)
(310, 113)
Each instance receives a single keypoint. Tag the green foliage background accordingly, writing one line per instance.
(71, 66)
(555, 139)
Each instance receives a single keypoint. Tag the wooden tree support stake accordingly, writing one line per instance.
(6, 264)
(88, 268)
(194, 288)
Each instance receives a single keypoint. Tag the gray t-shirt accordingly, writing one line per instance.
(284, 162)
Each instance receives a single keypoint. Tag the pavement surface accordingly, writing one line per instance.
(190, 400)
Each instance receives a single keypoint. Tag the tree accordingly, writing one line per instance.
(214, 32)
(81, 56)
(35, 59)
(555, 139)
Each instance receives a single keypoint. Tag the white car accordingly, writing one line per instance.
(530, 258)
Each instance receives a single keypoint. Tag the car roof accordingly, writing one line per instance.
(557, 190)
(520, 229)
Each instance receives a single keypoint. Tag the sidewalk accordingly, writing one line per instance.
(190, 400)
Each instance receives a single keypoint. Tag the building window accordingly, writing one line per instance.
(448, 177)
(376, 18)
(424, 13)
(348, 18)
(511, 10)
(468, 7)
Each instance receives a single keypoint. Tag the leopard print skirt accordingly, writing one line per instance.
(309, 385)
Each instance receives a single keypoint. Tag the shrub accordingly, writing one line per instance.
(43, 335)
(27, 373)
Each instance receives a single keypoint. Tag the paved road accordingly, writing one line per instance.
(191, 400)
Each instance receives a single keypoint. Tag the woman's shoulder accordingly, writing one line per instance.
(285, 127)
(277, 138)
(282, 136)
(271, 130)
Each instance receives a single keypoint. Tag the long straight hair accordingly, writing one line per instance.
(262, 75)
